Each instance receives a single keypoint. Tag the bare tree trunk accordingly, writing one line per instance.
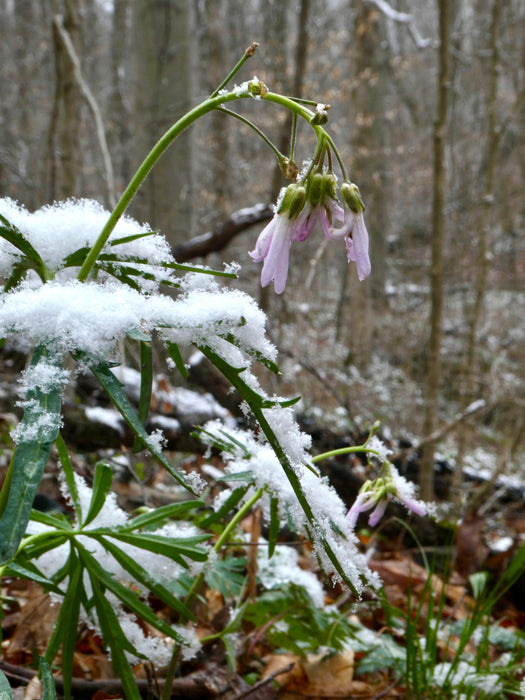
(119, 132)
(162, 79)
(469, 369)
(372, 172)
(214, 51)
(296, 88)
(63, 146)
(426, 476)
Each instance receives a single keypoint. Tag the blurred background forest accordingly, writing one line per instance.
(89, 85)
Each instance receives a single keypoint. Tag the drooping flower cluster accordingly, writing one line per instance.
(389, 485)
(298, 210)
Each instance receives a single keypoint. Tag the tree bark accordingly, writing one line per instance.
(161, 84)
(63, 145)
(470, 364)
(438, 237)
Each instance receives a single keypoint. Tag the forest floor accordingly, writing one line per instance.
(428, 594)
(366, 667)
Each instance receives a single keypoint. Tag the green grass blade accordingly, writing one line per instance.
(229, 504)
(69, 474)
(275, 526)
(176, 356)
(159, 515)
(173, 547)
(14, 236)
(129, 598)
(39, 430)
(142, 576)
(116, 640)
(66, 626)
(146, 385)
(29, 571)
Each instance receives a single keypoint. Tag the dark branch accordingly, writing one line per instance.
(216, 240)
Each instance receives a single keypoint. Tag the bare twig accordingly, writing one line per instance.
(470, 411)
(254, 688)
(403, 18)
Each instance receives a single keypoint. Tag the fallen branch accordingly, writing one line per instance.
(218, 239)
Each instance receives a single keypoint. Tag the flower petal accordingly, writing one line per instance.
(357, 247)
(277, 259)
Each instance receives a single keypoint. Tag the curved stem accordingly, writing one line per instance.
(247, 54)
(249, 123)
(345, 451)
(158, 149)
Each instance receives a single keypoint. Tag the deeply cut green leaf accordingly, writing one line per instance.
(66, 626)
(129, 598)
(101, 486)
(14, 236)
(113, 388)
(142, 576)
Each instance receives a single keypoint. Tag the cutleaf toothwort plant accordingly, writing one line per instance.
(78, 280)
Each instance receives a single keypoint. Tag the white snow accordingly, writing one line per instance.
(105, 416)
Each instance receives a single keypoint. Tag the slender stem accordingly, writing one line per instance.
(260, 133)
(345, 451)
(172, 665)
(183, 123)
(247, 54)
(223, 538)
(293, 135)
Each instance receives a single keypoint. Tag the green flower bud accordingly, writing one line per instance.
(319, 188)
(321, 115)
(292, 201)
(352, 197)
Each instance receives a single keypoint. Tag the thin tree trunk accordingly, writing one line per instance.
(426, 476)
(469, 369)
(63, 146)
(301, 53)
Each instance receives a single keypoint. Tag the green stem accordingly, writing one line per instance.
(249, 123)
(158, 149)
(293, 136)
(247, 54)
(197, 582)
(345, 451)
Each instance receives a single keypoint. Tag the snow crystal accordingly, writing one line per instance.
(157, 440)
(192, 644)
(57, 231)
(467, 675)
(92, 317)
(377, 445)
(158, 650)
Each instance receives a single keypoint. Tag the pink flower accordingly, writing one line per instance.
(273, 245)
(354, 230)
(300, 208)
(378, 493)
